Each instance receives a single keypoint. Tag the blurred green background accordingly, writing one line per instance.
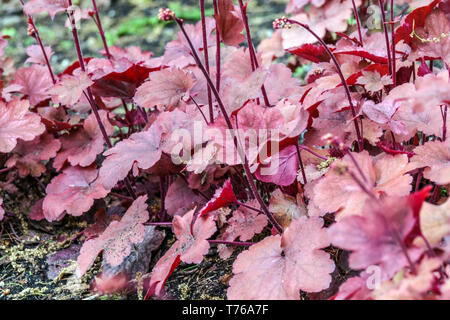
(132, 22)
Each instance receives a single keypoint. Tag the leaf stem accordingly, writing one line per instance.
(249, 207)
(205, 52)
(358, 23)
(302, 168)
(232, 243)
(341, 76)
(100, 29)
(251, 48)
(386, 36)
(39, 41)
(216, 12)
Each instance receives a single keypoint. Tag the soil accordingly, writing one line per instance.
(27, 270)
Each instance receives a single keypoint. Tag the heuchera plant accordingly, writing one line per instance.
(342, 172)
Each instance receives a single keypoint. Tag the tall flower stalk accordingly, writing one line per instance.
(287, 23)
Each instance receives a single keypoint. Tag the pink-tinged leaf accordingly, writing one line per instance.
(435, 157)
(165, 88)
(384, 175)
(17, 122)
(434, 223)
(178, 52)
(132, 53)
(81, 147)
(33, 7)
(105, 284)
(311, 52)
(222, 198)
(282, 168)
(72, 192)
(189, 248)
(69, 90)
(245, 223)
(297, 5)
(412, 286)
(271, 48)
(141, 149)
(354, 288)
(377, 236)
(332, 16)
(229, 23)
(2, 211)
(278, 267)
(37, 212)
(285, 208)
(28, 155)
(35, 82)
(180, 198)
(116, 241)
(35, 54)
(373, 81)
(383, 113)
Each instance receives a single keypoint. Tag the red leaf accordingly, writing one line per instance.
(180, 198)
(222, 198)
(121, 84)
(229, 23)
(311, 52)
(417, 18)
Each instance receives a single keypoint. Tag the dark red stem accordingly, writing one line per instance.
(249, 207)
(100, 29)
(312, 152)
(341, 76)
(251, 49)
(386, 36)
(358, 23)
(302, 168)
(38, 39)
(394, 67)
(216, 12)
(205, 52)
(232, 243)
